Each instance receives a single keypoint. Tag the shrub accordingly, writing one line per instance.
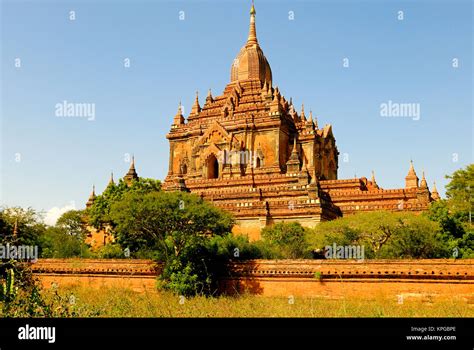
(288, 240)
(383, 235)
(178, 227)
(57, 243)
(110, 251)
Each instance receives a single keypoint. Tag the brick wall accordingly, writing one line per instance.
(425, 279)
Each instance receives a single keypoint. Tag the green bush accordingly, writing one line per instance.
(383, 235)
(287, 240)
(57, 243)
(178, 227)
(231, 247)
(110, 251)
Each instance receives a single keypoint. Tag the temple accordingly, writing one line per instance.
(98, 237)
(250, 152)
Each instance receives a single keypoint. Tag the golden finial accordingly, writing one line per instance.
(252, 9)
(252, 38)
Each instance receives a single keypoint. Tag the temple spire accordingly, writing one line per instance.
(91, 198)
(423, 183)
(315, 120)
(252, 39)
(178, 118)
(250, 62)
(411, 180)
(434, 193)
(196, 109)
(132, 173)
(374, 183)
(111, 181)
(293, 164)
(411, 171)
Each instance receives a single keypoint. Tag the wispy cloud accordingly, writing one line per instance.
(53, 214)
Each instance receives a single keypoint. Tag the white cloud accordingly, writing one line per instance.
(53, 214)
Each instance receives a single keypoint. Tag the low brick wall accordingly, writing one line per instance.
(425, 279)
(138, 275)
(369, 279)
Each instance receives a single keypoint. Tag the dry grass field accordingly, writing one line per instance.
(113, 302)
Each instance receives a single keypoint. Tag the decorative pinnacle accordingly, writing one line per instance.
(411, 171)
(423, 184)
(111, 181)
(252, 38)
(252, 9)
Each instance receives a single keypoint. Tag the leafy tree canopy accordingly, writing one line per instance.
(166, 221)
(288, 239)
(99, 213)
(73, 222)
(29, 226)
(459, 192)
(383, 235)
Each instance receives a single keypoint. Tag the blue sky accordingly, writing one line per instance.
(50, 162)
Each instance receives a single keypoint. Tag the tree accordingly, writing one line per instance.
(73, 223)
(371, 229)
(383, 235)
(453, 214)
(26, 223)
(415, 237)
(98, 215)
(288, 239)
(167, 221)
(58, 243)
(460, 192)
(178, 226)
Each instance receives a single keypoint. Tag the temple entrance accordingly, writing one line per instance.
(212, 167)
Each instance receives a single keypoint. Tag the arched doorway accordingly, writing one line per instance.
(212, 167)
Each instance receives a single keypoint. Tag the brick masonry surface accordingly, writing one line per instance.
(335, 279)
